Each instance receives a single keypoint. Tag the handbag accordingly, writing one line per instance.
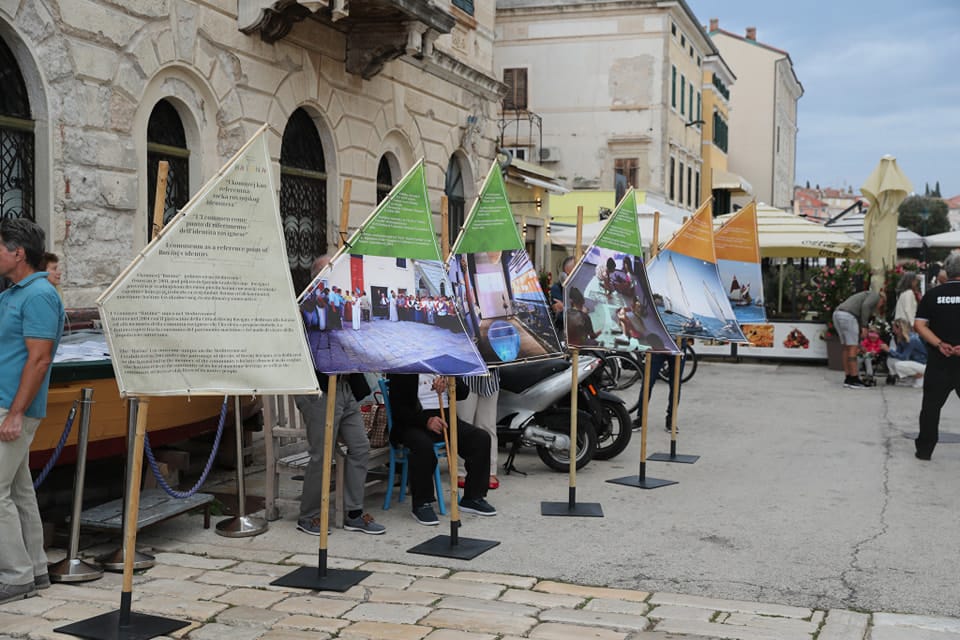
(375, 422)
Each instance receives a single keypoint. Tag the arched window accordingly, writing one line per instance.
(453, 188)
(166, 140)
(303, 196)
(16, 141)
(384, 179)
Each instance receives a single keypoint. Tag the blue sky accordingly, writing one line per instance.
(878, 77)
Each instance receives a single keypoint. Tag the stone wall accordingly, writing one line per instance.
(96, 68)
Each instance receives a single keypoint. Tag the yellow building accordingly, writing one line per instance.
(718, 181)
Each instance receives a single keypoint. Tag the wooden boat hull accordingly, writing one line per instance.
(170, 418)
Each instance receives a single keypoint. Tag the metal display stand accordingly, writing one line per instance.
(125, 624)
(72, 568)
(115, 560)
(673, 456)
(323, 578)
(241, 525)
(641, 480)
(571, 508)
(453, 546)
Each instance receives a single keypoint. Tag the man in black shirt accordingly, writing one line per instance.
(938, 324)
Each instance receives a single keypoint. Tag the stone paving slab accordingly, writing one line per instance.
(542, 600)
(558, 631)
(549, 586)
(596, 619)
(476, 621)
(727, 632)
(383, 612)
(715, 604)
(522, 582)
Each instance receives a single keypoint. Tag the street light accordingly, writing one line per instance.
(924, 214)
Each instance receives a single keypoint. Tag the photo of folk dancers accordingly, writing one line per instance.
(505, 310)
(608, 305)
(384, 314)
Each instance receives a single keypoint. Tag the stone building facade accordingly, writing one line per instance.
(98, 90)
(763, 115)
(617, 86)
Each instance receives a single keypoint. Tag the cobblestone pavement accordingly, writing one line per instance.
(872, 525)
(225, 592)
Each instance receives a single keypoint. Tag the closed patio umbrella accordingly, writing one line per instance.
(885, 189)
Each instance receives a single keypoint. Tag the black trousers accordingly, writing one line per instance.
(938, 381)
(473, 445)
(657, 360)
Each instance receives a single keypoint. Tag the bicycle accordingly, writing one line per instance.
(622, 369)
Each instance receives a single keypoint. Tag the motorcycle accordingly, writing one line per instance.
(611, 419)
(534, 410)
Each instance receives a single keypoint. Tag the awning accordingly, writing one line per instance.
(552, 187)
(851, 223)
(785, 235)
(727, 181)
(950, 239)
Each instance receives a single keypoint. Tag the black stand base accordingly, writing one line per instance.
(445, 547)
(313, 578)
(673, 457)
(575, 510)
(642, 481)
(107, 627)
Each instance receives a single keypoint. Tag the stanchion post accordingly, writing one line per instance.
(241, 525)
(72, 568)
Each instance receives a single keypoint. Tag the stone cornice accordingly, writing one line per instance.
(445, 66)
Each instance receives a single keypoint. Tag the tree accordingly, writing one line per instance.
(911, 215)
(936, 191)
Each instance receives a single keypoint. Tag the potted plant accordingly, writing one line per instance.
(827, 288)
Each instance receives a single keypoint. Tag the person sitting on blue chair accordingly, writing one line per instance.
(415, 405)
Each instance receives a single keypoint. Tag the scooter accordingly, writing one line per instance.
(534, 410)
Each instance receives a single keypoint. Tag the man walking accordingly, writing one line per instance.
(850, 320)
(938, 324)
(31, 324)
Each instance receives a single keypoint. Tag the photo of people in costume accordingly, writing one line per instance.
(396, 315)
(505, 310)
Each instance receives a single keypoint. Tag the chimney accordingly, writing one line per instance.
(714, 24)
(752, 33)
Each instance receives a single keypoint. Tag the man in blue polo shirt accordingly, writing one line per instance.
(31, 324)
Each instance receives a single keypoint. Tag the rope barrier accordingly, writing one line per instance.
(47, 468)
(180, 495)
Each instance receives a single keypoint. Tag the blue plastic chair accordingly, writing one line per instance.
(399, 457)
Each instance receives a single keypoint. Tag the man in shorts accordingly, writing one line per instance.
(851, 318)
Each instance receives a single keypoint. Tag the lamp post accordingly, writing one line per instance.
(924, 214)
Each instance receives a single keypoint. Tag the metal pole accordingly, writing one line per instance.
(241, 525)
(71, 568)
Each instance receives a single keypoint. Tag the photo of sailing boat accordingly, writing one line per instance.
(687, 295)
(743, 284)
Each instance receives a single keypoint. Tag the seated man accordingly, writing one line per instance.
(415, 405)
